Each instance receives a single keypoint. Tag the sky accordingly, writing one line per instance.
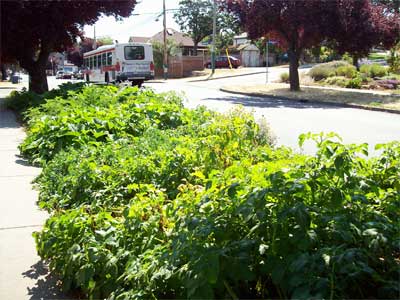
(144, 24)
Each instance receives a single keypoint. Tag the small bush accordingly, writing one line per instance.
(337, 80)
(373, 70)
(285, 77)
(354, 83)
(323, 71)
(20, 102)
(347, 71)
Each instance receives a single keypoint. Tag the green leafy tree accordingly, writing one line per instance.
(105, 40)
(195, 18)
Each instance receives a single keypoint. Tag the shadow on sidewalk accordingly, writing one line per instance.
(47, 286)
(7, 116)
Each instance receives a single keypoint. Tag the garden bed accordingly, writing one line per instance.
(337, 96)
(149, 199)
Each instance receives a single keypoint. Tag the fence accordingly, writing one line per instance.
(180, 66)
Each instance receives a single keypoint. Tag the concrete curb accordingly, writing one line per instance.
(371, 108)
(223, 77)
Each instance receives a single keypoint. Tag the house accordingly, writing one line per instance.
(250, 55)
(184, 41)
(240, 39)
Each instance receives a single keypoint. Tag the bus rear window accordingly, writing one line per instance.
(134, 52)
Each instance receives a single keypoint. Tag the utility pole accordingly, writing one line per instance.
(94, 38)
(213, 39)
(266, 60)
(165, 61)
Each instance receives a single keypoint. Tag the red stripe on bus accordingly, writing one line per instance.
(97, 53)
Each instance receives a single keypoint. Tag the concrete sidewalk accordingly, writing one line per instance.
(22, 274)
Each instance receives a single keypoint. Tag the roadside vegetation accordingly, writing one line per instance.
(343, 74)
(148, 199)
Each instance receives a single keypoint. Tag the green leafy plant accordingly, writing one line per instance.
(150, 200)
(374, 70)
(354, 83)
(347, 71)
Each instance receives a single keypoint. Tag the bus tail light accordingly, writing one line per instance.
(152, 66)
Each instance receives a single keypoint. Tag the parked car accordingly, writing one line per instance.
(78, 75)
(223, 62)
(63, 75)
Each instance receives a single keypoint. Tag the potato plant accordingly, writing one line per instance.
(149, 200)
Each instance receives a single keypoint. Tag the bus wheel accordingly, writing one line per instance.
(87, 77)
(137, 83)
(107, 78)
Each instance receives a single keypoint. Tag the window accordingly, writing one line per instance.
(91, 62)
(109, 58)
(98, 61)
(134, 52)
(104, 59)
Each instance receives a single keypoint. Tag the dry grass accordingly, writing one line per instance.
(354, 97)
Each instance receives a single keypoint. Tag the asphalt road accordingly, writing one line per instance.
(289, 119)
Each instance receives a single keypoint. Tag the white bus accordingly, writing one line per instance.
(120, 62)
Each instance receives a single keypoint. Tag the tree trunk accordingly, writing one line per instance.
(294, 69)
(3, 72)
(355, 62)
(195, 48)
(38, 79)
(37, 69)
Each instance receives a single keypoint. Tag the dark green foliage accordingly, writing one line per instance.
(194, 204)
(22, 101)
(95, 115)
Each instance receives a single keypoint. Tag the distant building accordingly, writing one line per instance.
(250, 55)
(184, 41)
(241, 39)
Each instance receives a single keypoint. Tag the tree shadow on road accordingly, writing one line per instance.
(46, 286)
(264, 102)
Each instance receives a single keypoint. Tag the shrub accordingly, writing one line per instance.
(284, 77)
(319, 73)
(394, 59)
(347, 71)
(20, 102)
(374, 70)
(354, 83)
(337, 80)
(323, 71)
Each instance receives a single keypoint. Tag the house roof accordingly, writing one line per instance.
(179, 38)
(241, 36)
(248, 47)
(139, 39)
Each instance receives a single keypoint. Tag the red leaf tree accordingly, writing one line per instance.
(75, 53)
(30, 30)
(361, 25)
(354, 26)
(299, 24)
